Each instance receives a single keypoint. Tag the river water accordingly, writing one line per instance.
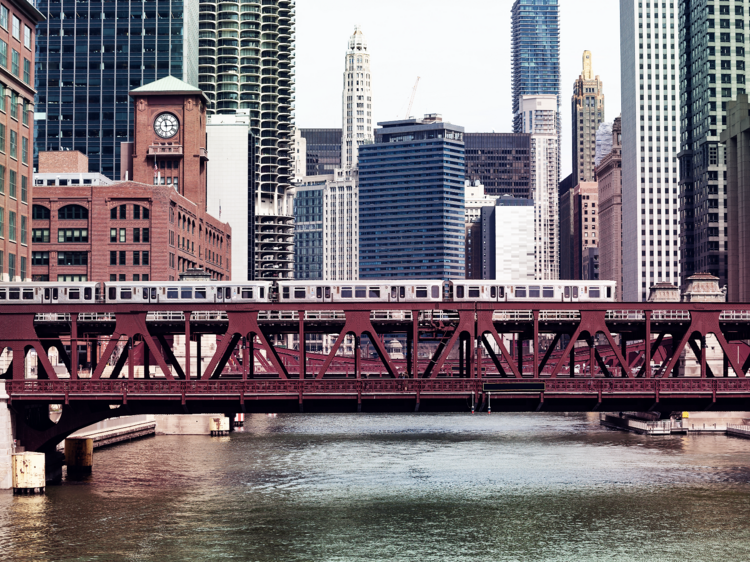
(505, 487)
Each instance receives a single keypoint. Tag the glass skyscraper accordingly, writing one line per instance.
(535, 52)
(412, 206)
(91, 54)
(323, 150)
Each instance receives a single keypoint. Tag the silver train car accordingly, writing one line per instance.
(49, 293)
(381, 291)
(198, 292)
(533, 291)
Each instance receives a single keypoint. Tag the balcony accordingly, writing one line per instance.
(203, 154)
(165, 150)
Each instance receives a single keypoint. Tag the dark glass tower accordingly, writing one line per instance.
(535, 52)
(323, 150)
(91, 54)
(411, 201)
(501, 161)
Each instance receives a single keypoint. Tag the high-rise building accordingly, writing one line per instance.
(567, 234)
(535, 53)
(500, 161)
(323, 148)
(585, 226)
(411, 212)
(507, 240)
(650, 136)
(356, 104)
(539, 119)
(247, 65)
(713, 43)
(90, 55)
(18, 20)
(609, 175)
(587, 114)
(327, 227)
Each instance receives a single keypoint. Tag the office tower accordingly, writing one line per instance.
(356, 100)
(230, 175)
(323, 148)
(327, 227)
(585, 226)
(411, 212)
(587, 114)
(603, 142)
(539, 119)
(609, 175)
(713, 39)
(737, 149)
(500, 161)
(90, 55)
(247, 65)
(18, 20)
(567, 238)
(650, 137)
(535, 53)
(507, 240)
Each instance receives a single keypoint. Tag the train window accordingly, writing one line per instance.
(548, 292)
(28, 295)
(473, 292)
(247, 293)
(87, 293)
(609, 292)
(74, 294)
(594, 292)
(402, 292)
(436, 291)
(285, 293)
(374, 292)
(394, 292)
(493, 292)
(501, 292)
(173, 293)
(567, 292)
(201, 293)
(328, 293)
(112, 294)
(14, 294)
(186, 292)
(227, 293)
(520, 292)
(459, 292)
(299, 292)
(421, 292)
(318, 292)
(261, 292)
(346, 292)
(126, 294)
(575, 292)
(2, 295)
(360, 292)
(534, 292)
(54, 294)
(46, 294)
(153, 293)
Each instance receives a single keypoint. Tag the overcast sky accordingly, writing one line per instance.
(460, 49)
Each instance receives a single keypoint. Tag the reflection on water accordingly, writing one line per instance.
(397, 487)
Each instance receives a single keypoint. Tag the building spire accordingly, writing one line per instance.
(588, 72)
(357, 123)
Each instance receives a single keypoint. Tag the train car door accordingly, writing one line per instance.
(398, 294)
(323, 294)
(51, 294)
(570, 294)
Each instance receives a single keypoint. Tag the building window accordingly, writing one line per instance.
(75, 258)
(11, 266)
(2, 137)
(23, 268)
(25, 115)
(40, 258)
(136, 277)
(12, 184)
(136, 212)
(27, 37)
(136, 235)
(14, 105)
(122, 257)
(3, 58)
(123, 237)
(112, 259)
(3, 17)
(113, 235)
(136, 258)
(13, 145)
(24, 227)
(24, 151)
(26, 71)
(144, 277)
(146, 236)
(72, 278)
(40, 236)
(73, 235)
(15, 63)
(73, 212)
(123, 212)
(2, 223)
(24, 189)
(122, 277)
(40, 213)
(12, 226)
(144, 258)
(113, 277)
(16, 28)
(113, 213)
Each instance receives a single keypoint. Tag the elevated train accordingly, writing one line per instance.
(291, 292)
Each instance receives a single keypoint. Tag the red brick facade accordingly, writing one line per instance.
(63, 162)
(18, 21)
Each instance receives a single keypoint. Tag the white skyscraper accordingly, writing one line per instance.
(650, 143)
(357, 100)
(539, 117)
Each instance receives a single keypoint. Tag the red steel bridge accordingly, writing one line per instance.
(457, 357)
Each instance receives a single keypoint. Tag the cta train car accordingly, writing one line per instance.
(533, 291)
(49, 293)
(379, 290)
(199, 292)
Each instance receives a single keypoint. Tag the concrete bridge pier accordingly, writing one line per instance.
(6, 441)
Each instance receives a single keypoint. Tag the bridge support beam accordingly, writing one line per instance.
(6, 441)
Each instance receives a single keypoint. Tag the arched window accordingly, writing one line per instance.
(39, 212)
(73, 212)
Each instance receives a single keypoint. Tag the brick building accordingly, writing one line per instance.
(150, 229)
(18, 21)
(585, 228)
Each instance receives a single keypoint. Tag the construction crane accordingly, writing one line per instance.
(411, 102)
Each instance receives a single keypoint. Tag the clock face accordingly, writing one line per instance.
(166, 125)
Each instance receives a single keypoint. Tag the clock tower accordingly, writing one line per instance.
(169, 145)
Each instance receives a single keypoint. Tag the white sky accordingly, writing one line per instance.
(459, 48)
